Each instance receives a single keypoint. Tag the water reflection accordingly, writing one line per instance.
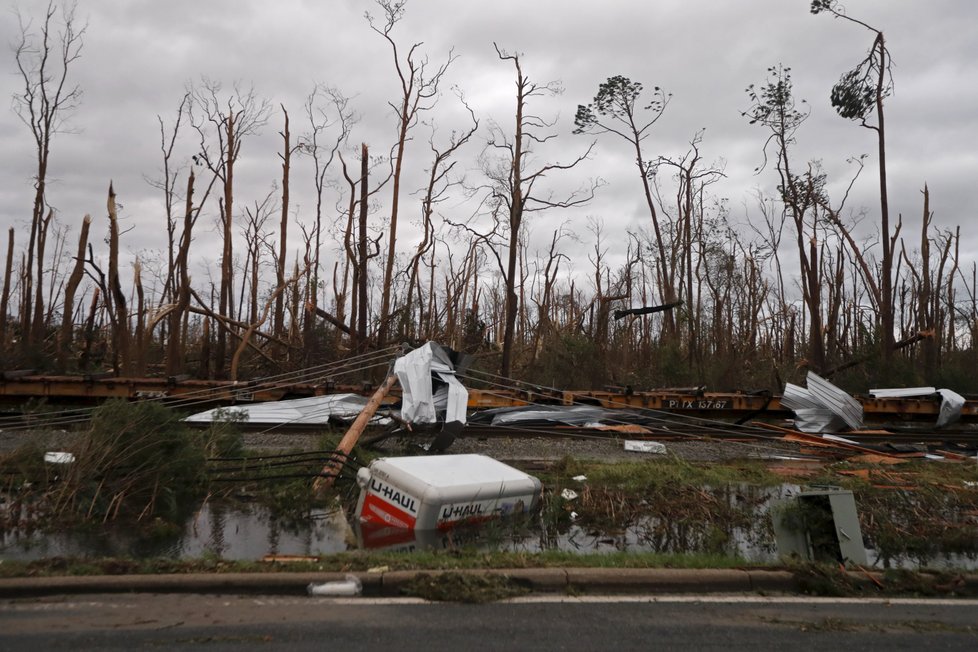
(251, 532)
(234, 532)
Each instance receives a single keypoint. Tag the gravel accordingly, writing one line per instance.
(505, 448)
(49, 440)
(541, 448)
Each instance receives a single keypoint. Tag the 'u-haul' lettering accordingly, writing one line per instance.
(394, 496)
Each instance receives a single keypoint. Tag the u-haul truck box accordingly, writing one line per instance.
(371, 536)
(440, 491)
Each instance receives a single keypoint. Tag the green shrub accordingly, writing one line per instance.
(223, 437)
(139, 461)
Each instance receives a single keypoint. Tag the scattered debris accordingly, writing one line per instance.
(644, 446)
(429, 385)
(822, 442)
(430, 392)
(872, 458)
(579, 478)
(349, 587)
(568, 494)
(569, 415)
(59, 457)
(810, 415)
(289, 559)
(624, 428)
(332, 468)
(844, 440)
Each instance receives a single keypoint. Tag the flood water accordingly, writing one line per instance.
(233, 532)
(252, 532)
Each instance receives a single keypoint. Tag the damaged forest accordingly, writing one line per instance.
(339, 339)
(377, 259)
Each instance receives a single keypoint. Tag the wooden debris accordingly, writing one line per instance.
(629, 428)
(352, 436)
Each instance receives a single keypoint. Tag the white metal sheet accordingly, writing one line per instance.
(901, 392)
(951, 404)
(414, 371)
(313, 410)
(840, 402)
(796, 397)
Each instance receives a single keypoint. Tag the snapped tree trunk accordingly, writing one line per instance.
(5, 294)
(67, 317)
(362, 253)
(121, 321)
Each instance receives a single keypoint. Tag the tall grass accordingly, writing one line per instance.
(137, 461)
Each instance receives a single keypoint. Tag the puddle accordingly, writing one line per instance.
(234, 532)
(250, 532)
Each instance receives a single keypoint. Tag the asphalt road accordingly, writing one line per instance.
(217, 623)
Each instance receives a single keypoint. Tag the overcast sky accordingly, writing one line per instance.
(140, 55)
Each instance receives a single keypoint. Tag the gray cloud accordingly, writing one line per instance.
(140, 55)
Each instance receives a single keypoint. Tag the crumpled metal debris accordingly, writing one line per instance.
(822, 407)
(420, 401)
(951, 401)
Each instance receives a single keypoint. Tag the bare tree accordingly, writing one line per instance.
(5, 294)
(288, 148)
(616, 109)
(67, 317)
(251, 329)
(44, 59)
(439, 182)
(362, 254)
(168, 186)
(858, 95)
(121, 334)
(356, 243)
(330, 121)
(257, 241)
(513, 179)
(419, 90)
(178, 310)
(773, 106)
(222, 124)
(544, 303)
(932, 288)
(692, 178)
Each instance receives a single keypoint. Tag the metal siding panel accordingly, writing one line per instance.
(840, 402)
(796, 397)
